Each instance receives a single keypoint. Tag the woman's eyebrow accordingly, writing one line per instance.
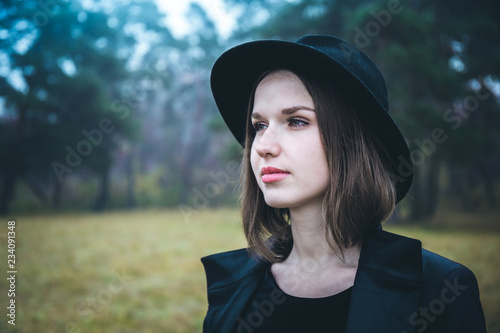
(286, 111)
(256, 115)
(294, 109)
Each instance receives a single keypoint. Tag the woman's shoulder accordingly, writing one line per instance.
(450, 297)
(449, 293)
(440, 273)
(225, 268)
(435, 263)
(393, 253)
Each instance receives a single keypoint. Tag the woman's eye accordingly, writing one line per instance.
(258, 126)
(297, 122)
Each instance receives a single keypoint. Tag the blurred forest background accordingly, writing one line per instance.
(120, 173)
(103, 107)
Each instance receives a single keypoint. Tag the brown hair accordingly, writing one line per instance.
(361, 195)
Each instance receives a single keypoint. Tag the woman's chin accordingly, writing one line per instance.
(278, 202)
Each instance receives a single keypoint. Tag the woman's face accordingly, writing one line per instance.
(287, 155)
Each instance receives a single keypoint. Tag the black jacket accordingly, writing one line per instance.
(398, 288)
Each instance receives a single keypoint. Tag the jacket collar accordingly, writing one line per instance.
(387, 286)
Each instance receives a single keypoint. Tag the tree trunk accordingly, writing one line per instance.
(488, 181)
(469, 203)
(416, 206)
(7, 192)
(129, 169)
(14, 169)
(432, 196)
(185, 171)
(425, 190)
(190, 153)
(56, 192)
(102, 198)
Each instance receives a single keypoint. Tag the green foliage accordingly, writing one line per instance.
(158, 190)
(70, 78)
(75, 63)
(82, 64)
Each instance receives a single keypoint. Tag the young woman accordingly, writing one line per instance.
(324, 165)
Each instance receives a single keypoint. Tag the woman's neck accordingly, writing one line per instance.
(313, 268)
(310, 242)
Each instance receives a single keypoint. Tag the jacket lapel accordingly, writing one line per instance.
(387, 286)
(232, 279)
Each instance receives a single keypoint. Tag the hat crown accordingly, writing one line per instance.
(354, 61)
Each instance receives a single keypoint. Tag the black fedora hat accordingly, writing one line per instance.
(328, 58)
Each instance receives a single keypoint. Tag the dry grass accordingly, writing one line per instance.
(140, 271)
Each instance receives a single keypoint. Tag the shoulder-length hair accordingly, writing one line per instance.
(361, 194)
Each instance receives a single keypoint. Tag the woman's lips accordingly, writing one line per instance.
(272, 175)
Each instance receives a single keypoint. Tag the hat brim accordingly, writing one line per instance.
(235, 72)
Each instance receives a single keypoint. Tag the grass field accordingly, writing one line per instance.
(140, 271)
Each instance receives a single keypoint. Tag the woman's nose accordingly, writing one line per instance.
(267, 144)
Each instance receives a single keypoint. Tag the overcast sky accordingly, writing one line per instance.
(216, 10)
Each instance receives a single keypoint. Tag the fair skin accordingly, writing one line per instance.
(290, 166)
